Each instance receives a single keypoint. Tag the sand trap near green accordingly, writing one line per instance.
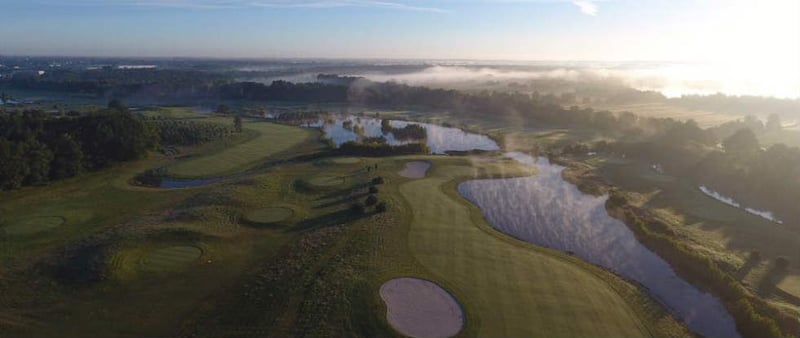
(790, 285)
(33, 225)
(171, 258)
(346, 160)
(269, 215)
(326, 181)
(421, 309)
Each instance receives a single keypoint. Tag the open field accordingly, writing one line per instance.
(269, 139)
(660, 110)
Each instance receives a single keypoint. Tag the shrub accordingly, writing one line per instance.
(373, 190)
(377, 180)
(371, 200)
(380, 207)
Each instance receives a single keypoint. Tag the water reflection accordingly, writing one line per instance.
(548, 211)
(439, 139)
(177, 184)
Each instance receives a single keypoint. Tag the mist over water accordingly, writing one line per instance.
(548, 211)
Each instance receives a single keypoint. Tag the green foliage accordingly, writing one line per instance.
(376, 148)
(237, 123)
(743, 141)
(357, 208)
(380, 207)
(188, 132)
(371, 200)
(373, 190)
(35, 148)
(377, 180)
(223, 109)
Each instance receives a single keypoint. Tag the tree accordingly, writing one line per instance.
(371, 200)
(743, 141)
(774, 122)
(377, 180)
(237, 123)
(223, 109)
(67, 159)
(118, 105)
(373, 190)
(380, 207)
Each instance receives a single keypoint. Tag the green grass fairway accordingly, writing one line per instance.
(515, 289)
(346, 160)
(791, 284)
(271, 139)
(326, 181)
(269, 215)
(33, 225)
(171, 258)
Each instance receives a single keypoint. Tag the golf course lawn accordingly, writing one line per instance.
(515, 290)
(271, 139)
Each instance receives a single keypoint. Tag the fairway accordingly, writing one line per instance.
(514, 289)
(326, 181)
(33, 225)
(346, 160)
(171, 258)
(269, 215)
(272, 139)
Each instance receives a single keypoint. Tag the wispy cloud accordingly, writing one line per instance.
(221, 4)
(588, 7)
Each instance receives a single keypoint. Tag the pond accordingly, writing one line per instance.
(439, 139)
(548, 211)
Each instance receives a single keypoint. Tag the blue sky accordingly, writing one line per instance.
(462, 29)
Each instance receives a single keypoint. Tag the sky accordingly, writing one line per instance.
(732, 31)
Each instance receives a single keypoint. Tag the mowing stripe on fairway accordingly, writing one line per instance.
(516, 291)
(171, 258)
(272, 139)
(269, 215)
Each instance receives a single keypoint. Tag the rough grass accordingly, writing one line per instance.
(269, 215)
(704, 217)
(270, 139)
(33, 225)
(513, 291)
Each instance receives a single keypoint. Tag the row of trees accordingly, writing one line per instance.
(188, 132)
(409, 132)
(35, 148)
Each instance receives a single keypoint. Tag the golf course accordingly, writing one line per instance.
(309, 246)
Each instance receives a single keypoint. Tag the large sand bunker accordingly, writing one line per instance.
(415, 169)
(421, 309)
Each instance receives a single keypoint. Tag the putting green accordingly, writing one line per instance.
(269, 215)
(515, 290)
(791, 284)
(346, 160)
(33, 225)
(171, 258)
(326, 181)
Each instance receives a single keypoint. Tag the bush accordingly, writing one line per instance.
(380, 207)
(371, 200)
(373, 190)
(781, 263)
(377, 180)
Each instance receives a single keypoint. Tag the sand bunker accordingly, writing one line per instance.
(171, 258)
(33, 225)
(326, 181)
(415, 169)
(421, 309)
(269, 215)
(346, 160)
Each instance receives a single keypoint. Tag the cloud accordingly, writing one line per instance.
(588, 7)
(221, 4)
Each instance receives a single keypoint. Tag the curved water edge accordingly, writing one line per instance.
(439, 139)
(546, 210)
